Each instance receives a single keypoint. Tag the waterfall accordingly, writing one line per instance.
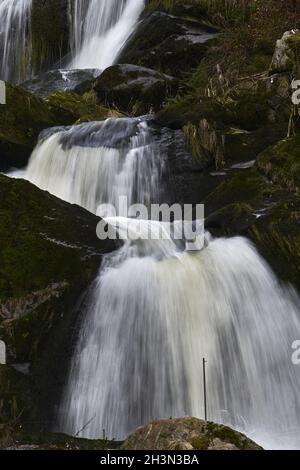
(100, 29)
(149, 323)
(95, 163)
(15, 48)
(155, 311)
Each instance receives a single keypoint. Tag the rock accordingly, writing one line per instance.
(246, 203)
(49, 254)
(167, 43)
(281, 163)
(57, 441)
(50, 33)
(78, 81)
(282, 60)
(21, 119)
(133, 89)
(70, 108)
(254, 115)
(15, 397)
(187, 434)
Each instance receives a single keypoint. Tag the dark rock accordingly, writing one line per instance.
(21, 120)
(49, 254)
(281, 163)
(56, 441)
(170, 44)
(50, 33)
(78, 81)
(134, 89)
(187, 434)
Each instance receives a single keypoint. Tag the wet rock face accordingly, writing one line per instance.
(49, 254)
(78, 81)
(167, 43)
(187, 434)
(21, 119)
(134, 89)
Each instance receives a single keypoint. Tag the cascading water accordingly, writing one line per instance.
(95, 163)
(100, 30)
(155, 311)
(15, 49)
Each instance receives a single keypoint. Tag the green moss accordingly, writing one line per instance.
(23, 116)
(227, 434)
(191, 110)
(200, 443)
(281, 163)
(42, 239)
(70, 108)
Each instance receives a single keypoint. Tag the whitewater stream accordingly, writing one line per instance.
(98, 30)
(156, 310)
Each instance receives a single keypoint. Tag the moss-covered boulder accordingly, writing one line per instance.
(173, 45)
(281, 163)
(247, 203)
(133, 89)
(49, 254)
(236, 127)
(187, 434)
(71, 108)
(21, 119)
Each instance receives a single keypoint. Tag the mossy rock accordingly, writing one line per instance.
(133, 89)
(49, 254)
(247, 203)
(281, 163)
(21, 119)
(191, 110)
(173, 45)
(70, 108)
(187, 434)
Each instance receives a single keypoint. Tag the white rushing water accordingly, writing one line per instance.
(95, 163)
(15, 48)
(100, 29)
(155, 311)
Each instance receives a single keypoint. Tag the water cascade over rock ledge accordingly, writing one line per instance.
(155, 310)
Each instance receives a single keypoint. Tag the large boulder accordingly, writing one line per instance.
(173, 45)
(77, 81)
(134, 89)
(49, 254)
(21, 120)
(187, 434)
(71, 108)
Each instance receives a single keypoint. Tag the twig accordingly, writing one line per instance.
(85, 426)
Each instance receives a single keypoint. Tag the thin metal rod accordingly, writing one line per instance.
(204, 389)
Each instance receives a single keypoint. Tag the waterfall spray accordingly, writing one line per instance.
(100, 30)
(155, 311)
(15, 46)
